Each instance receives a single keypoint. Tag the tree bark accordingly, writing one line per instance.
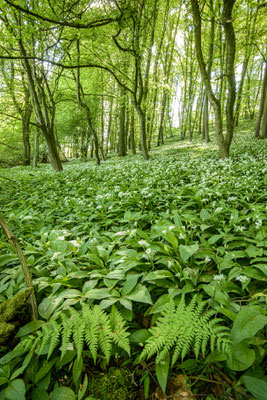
(262, 101)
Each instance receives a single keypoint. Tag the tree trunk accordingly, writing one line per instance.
(131, 138)
(26, 142)
(205, 132)
(142, 119)
(263, 100)
(162, 115)
(264, 121)
(36, 149)
(42, 120)
(122, 142)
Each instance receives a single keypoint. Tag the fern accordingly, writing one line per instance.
(183, 327)
(119, 334)
(92, 327)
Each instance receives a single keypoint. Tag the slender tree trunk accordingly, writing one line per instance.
(264, 121)
(206, 120)
(122, 143)
(36, 149)
(26, 142)
(240, 90)
(142, 119)
(223, 143)
(47, 130)
(131, 138)
(263, 100)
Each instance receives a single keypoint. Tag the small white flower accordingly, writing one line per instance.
(75, 243)
(171, 227)
(143, 243)
(164, 232)
(55, 255)
(242, 278)
(207, 259)
(219, 277)
(149, 252)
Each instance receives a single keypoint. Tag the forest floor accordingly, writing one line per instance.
(176, 244)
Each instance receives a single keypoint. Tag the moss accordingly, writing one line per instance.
(113, 385)
(11, 312)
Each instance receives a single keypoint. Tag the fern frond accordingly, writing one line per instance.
(46, 332)
(91, 330)
(55, 333)
(92, 326)
(66, 333)
(105, 332)
(183, 327)
(78, 326)
(119, 333)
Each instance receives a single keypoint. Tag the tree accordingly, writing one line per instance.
(224, 142)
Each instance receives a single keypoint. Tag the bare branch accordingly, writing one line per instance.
(77, 25)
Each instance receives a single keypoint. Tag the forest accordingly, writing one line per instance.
(133, 175)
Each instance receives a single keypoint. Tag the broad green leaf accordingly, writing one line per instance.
(160, 304)
(70, 294)
(130, 283)
(187, 251)
(242, 358)
(44, 370)
(97, 294)
(162, 369)
(139, 337)
(257, 387)
(204, 214)
(62, 393)
(16, 390)
(140, 294)
(249, 321)
(40, 394)
(160, 274)
(77, 370)
(30, 327)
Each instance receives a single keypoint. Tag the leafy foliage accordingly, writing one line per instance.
(92, 326)
(184, 326)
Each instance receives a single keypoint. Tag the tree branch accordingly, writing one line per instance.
(77, 25)
(70, 67)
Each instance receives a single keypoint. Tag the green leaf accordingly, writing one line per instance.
(146, 386)
(162, 369)
(242, 358)
(16, 390)
(248, 322)
(215, 293)
(62, 393)
(257, 387)
(140, 294)
(187, 251)
(204, 214)
(77, 370)
(40, 394)
(214, 238)
(44, 370)
(130, 283)
(160, 304)
(139, 337)
(30, 327)
(82, 389)
(160, 274)
(97, 294)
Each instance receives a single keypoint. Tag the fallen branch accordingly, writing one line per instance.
(27, 276)
(8, 179)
